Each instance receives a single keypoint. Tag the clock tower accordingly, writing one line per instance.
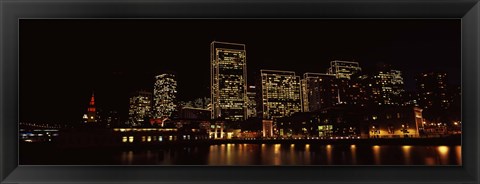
(91, 114)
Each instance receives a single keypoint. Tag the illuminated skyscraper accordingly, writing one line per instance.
(356, 90)
(165, 92)
(343, 69)
(318, 91)
(140, 108)
(388, 88)
(228, 81)
(252, 102)
(281, 93)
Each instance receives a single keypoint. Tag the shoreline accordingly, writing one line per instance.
(447, 141)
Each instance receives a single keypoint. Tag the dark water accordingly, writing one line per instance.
(259, 154)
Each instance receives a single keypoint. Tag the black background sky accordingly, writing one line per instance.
(63, 61)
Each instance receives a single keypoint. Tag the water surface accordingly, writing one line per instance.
(255, 154)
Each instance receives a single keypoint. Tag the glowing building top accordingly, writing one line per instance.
(343, 69)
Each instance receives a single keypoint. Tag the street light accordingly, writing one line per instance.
(404, 130)
(375, 131)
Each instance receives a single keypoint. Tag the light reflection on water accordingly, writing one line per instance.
(329, 154)
(300, 154)
(377, 155)
(443, 153)
(353, 151)
(458, 150)
(406, 154)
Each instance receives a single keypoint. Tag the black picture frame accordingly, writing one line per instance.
(13, 10)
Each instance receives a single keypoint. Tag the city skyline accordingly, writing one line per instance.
(94, 80)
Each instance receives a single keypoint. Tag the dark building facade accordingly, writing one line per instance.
(349, 121)
(252, 102)
(140, 109)
(387, 87)
(319, 91)
(194, 113)
(432, 90)
(432, 94)
(380, 87)
(355, 91)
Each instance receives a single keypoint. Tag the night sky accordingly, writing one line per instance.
(63, 61)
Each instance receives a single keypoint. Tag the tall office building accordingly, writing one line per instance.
(455, 100)
(112, 118)
(165, 92)
(344, 69)
(318, 91)
(252, 102)
(358, 92)
(140, 108)
(228, 81)
(432, 90)
(281, 93)
(388, 88)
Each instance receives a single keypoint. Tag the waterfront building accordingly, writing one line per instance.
(91, 116)
(157, 136)
(328, 123)
(353, 121)
(165, 92)
(267, 128)
(228, 81)
(140, 108)
(281, 93)
(394, 122)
